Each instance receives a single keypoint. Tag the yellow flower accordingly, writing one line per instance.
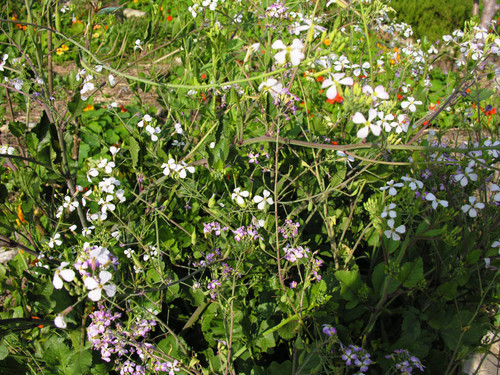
(89, 107)
(59, 51)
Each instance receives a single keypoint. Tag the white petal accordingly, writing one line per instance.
(105, 276)
(278, 45)
(59, 322)
(359, 119)
(280, 57)
(110, 290)
(57, 282)
(95, 295)
(363, 132)
(67, 275)
(91, 283)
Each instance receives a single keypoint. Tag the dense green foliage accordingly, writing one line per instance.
(431, 18)
(289, 188)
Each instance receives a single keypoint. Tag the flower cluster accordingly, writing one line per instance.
(110, 337)
(405, 363)
(181, 169)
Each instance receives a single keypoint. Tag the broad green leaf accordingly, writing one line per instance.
(412, 273)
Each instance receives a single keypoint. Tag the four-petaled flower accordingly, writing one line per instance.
(239, 196)
(393, 232)
(97, 285)
(410, 104)
(472, 207)
(333, 81)
(294, 51)
(261, 201)
(368, 125)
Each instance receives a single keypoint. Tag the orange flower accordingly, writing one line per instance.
(169, 18)
(337, 99)
(320, 79)
(89, 107)
(203, 76)
(123, 109)
(20, 215)
(327, 42)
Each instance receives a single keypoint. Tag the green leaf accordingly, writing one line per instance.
(4, 352)
(17, 128)
(411, 273)
(134, 151)
(350, 283)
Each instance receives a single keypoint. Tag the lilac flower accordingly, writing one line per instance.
(329, 330)
(253, 158)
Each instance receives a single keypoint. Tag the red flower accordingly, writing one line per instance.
(337, 99)
(169, 18)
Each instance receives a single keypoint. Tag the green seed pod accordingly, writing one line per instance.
(211, 201)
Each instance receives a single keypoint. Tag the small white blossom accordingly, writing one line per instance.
(55, 241)
(294, 51)
(239, 196)
(394, 233)
(97, 285)
(261, 201)
(472, 208)
(410, 104)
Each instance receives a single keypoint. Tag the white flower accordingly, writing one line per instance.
(272, 86)
(145, 118)
(69, 204)
(393, 232)
(138, 45)
(120, 194)
(472, 207)
(183, 167)
(112, 80)
(392, 187)
(107, 205)
(153, 131)
(496, 189)
(55, 241)
(308, 25)
(72, 228)
(168, 167)
(378, 93)
(261, 201)
(178, 128)
(108, 166)
(59, 322)
(97, 285)
(114, 150)
(388, 211)
(129, 252)
(333, 81)
(413, 183)
(2, 63)
(294, 51)
(360, 119)
(60, 274)
(410, 104)
(463, 178)
(432, 198)
(98, 68)
(239, 196)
